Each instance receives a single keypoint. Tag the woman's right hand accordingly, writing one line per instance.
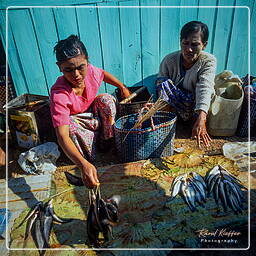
(89, 175)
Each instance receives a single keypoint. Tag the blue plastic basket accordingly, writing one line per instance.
(147, 142)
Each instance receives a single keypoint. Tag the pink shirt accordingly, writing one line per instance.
(64, 102)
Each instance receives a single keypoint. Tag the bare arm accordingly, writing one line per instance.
(2, 157)
(110, 79)
(89, 172)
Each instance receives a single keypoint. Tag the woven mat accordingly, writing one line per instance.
(148, 219)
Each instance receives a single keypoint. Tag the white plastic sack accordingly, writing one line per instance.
(240, 153)
(40, 159)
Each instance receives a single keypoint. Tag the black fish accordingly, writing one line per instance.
(47, 223)
(93, 228)
(37, 234)
(74, 180)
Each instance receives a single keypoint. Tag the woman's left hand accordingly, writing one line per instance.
(125, 92)
(199, 131)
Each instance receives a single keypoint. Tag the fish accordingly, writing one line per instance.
(198, 196)
(222, 196)
(74, 180)
(30, 224)
(54, 216)
(37, 234)
(185, 196)
(92, 226)
(31, 213)
(201, 187)
(115, 199)
(47, 223)
(102, 216)
(199, 178)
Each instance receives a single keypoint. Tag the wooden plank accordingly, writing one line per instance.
(87, 19)
(47, 38)
(5, 3)
(150, 26)
(24, 36)
(253, 40)
(207, 16)
(131, 43)
(16, 70)
(169, 29)
(111, 41)
(66, 21)
(238, 49)
(222, 33)
(188, 13)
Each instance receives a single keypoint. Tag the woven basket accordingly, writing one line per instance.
(147, 142)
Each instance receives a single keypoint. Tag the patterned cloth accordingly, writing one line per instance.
(181, 100)
(199, 79)
(85, 131)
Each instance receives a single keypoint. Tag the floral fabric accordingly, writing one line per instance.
(86, 131)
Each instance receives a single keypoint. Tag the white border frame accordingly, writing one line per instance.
(125, 249)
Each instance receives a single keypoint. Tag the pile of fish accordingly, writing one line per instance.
(226, 188)
(39, 224)
(102, 215)
(191, 187)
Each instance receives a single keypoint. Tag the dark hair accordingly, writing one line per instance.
(193, 27)
(69, 48)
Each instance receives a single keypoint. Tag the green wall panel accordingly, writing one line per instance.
(47, 37)
(27, 47)
(238, 49)
(90, 35)
(253, 40)
(223, 31)
(131, 43)
(169, 29)
(207, 15)
(66, 20)
(127, 42)
(150, 46)
(110, 37)
(13, 58)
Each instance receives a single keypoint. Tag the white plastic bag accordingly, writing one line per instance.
(40, 159)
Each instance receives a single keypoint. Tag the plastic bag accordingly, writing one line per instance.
(40, 159)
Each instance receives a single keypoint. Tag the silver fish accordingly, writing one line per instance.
(185, 196)
(199, 178)
(176, 189)
(222, 196)
(200, 187)
(30, 224)
(37, 234)
(47, 223)
(215, 170)
(31, 213)
(198, 196)
(53, 214)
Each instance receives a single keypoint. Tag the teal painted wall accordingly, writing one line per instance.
(122, 38)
